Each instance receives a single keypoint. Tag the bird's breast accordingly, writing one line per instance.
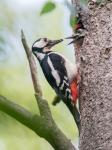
(71, 70)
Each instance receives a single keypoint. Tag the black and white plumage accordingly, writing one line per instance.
(59, 72)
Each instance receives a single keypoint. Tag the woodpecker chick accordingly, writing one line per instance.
(79, 32)
(77, 37)
(60, 73)
(79, 24)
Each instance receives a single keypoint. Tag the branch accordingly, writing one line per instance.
(36, 123)
(20, 114)
(32, 65)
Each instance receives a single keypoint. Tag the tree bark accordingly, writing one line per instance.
(96, 81)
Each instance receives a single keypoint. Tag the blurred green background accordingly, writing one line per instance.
(15, 80)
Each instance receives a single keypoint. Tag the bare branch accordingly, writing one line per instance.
(18, 112)
(32, 65)
(44, 108)
(42, 127)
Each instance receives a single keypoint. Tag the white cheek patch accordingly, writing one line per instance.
(40, 44)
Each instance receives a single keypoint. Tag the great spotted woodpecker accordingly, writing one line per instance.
(61, 74)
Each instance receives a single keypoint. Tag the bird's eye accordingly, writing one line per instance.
(45, 39)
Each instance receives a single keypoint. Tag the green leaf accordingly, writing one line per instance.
(73, 21)
(48, 7)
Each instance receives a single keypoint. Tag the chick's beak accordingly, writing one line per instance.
(51, 43)
(75, 38)
(71, 37)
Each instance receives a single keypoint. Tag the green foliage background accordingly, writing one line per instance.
(15, 81)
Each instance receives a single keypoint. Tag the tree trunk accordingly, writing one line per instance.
(96, 81)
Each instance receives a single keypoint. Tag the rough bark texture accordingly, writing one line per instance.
(96, 81)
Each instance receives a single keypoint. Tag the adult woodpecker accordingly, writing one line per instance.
(61, 74)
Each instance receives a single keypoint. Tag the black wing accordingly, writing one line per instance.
(63, 89)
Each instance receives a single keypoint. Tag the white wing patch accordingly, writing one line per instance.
(54, 72)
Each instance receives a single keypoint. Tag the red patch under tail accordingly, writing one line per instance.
(74, 91)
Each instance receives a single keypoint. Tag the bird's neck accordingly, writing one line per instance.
(41, 53)
(40, 56)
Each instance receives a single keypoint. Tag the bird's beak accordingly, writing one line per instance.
(73, 39)
(51, 43)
